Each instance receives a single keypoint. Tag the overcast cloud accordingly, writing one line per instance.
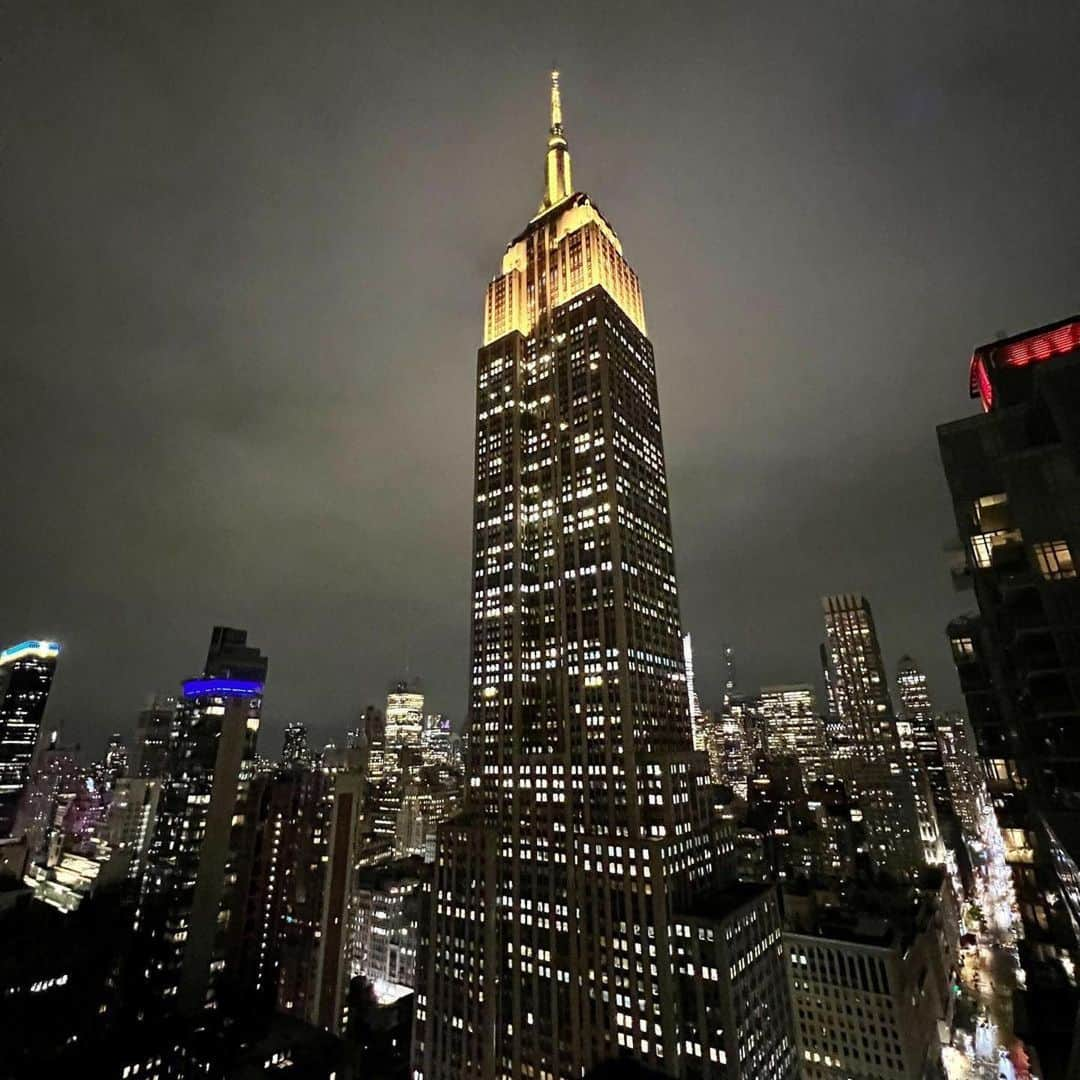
(243, 257)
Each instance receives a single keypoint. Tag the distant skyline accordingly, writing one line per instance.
(242, 264)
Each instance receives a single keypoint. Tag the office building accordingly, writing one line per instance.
(588, 825)
(1014, 480)
(153, 734)
(737, 1012)
(437, 742)
(792, 727)
(968, 792)
(734, 743)
(116, 760)
(872, 992)
(131, 819)
(188, 888)
(26, 675)
(917, 728)
(294, 747)
(888, 780)
(386, 927)
(859, 687)
(403, 733)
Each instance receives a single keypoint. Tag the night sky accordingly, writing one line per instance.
(244, 249)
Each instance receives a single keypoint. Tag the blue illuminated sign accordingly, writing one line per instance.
(222, 688)
(43, 650)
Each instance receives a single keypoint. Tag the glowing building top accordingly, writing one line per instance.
(567, 249)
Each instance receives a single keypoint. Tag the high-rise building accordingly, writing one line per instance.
(968, 792)
(26, 675)
(1014, 478)
(735, 740)
(736, 1015)
(888, 780)
(697, 719)
(550, 946)
(437, 741)
(403, 732)
(116, 759)
(153, 736)
(131, 819)
(793, 727)
(729, 672)
(54, 783)
(191, 874)
(917, 728)
(858, 683)
(294, 748)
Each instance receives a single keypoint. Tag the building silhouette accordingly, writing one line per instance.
(888, 779)
(26, 675)
(191, 875)
(918, 729)
(1014, 476)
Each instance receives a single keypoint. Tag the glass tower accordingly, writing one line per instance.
(26, 675)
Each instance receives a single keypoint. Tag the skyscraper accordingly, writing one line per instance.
(793, 727)
(860, 689)
(551, 946)
(294, 747)
(403, 731)
(917, 728)
(26, 675)
(153, 735)
(729, 672)
(190, 878)
(116, 759)
(1014, 478)
(889, 780)
(697, 719)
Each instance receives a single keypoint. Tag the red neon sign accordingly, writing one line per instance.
(1020, 352)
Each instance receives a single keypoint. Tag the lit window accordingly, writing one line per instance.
(1054, 560)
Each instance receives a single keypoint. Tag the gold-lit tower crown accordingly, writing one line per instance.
(581, 251)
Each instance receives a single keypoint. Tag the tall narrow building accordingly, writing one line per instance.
(552, 942)
(697, 719)
(918, 730)
(294, 746)
(858, 685)
(192, 864)
(26, 675)
(888, 779)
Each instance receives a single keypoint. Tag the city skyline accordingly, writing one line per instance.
(670, 829)
(187, 490)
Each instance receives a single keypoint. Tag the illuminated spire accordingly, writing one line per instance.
(556, 105)
(557, 182)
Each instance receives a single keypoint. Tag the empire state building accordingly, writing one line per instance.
(581, 909)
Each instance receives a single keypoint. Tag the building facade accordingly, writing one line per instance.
(888, 779)
(588, 827)
(868, 996)
(917, 727)
(792, 727)
(859, 688)
(1014, 476)
(26, 675)
(189, 885)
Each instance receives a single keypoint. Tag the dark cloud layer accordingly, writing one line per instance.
(242, 259)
